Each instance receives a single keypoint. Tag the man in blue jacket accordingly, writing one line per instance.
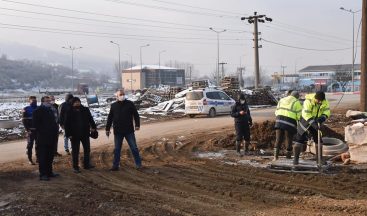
(28, 125)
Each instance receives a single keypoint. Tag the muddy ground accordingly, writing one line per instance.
(177, 182)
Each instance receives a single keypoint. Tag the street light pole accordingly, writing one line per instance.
(159, 63)
(353, 13)
(118, 46)
(72, 49)
(218, 32)
(141, 58)
(131, 71)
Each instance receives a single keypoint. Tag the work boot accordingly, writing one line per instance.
(276, 154)
(238, 147)
(247, 144)
(289, 155)
(297, 151)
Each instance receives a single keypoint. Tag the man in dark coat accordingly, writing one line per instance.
(28, 125)
(55, 110)
(46, 129)
(63, 109)
(78, 124)
(122, 114)
(243, 122)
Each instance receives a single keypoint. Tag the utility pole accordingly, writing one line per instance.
(255, 19)
(159, 62)
(222, 63)
(353, 13)
(218, 32)
(363, 87)
(72, 49)
(283, 67)
(190, 73)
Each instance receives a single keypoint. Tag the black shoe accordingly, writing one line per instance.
(52, 175)
(31, 162)
(67, 151)
(89, 167)
(114, 169)
(77, 170)
(44, 178)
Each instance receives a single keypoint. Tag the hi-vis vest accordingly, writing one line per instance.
(311, 111)
(287, 114)
(289, 107)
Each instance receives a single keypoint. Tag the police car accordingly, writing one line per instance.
(207, 101)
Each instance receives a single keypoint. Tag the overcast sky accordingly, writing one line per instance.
(182, 29)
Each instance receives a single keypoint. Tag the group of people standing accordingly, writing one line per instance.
(293, 125)
(42, 127)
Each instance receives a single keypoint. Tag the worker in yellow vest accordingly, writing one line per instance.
(315, 112)
(288, 113)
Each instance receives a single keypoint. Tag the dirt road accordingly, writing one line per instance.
(175, 182)
(14, 150)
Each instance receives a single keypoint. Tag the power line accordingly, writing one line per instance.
(102, 35)
(59, 21)
(307, 30)
(115, 34)
(302, 48)
(303, 34)
(172, 9)
(106, 21)
(201, 8)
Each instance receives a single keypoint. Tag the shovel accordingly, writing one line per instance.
(319, 148)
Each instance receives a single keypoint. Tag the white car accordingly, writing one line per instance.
(207, 101)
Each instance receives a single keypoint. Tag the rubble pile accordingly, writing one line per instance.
(356, 136)
(261, 97)
(200, 84)
(231, 86)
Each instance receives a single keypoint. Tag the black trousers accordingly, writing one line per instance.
(75, 145)
(281, 136)
(242, 132)
(302, 139)
(45, 158)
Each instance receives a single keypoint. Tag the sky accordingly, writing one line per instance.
(181, 28)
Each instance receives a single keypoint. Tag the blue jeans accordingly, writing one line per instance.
(66, 142)
(130, 138)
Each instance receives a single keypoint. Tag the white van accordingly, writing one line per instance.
(207, 101)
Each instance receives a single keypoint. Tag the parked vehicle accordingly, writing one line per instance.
(207, 101)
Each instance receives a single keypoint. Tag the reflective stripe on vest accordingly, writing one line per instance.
(285, 122)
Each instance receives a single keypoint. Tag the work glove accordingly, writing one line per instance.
(321, 119)
(315, 125)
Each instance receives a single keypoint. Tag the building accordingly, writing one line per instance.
(151, 76)
(330, 77)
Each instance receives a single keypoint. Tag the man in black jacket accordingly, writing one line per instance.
(122, 114)
(243, 122)
(55, 110)
(46, 129)
(63, 109)
(78, 124)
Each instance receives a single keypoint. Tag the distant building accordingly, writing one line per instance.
(330, 77)
(151, 76)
